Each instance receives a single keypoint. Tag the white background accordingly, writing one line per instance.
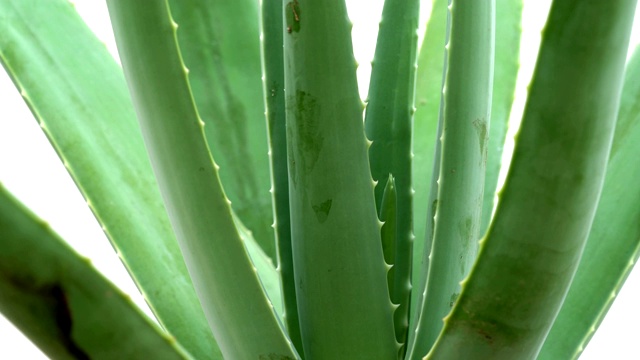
(31, 171)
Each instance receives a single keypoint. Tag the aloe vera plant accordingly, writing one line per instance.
(385, 243)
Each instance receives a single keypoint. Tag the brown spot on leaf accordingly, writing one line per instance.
(322, 210)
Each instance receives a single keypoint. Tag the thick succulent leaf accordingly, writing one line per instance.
(388, 214)
(57, 299)
(429, 82)
(614, 241)
(388, 124)
(239, 313)
(508, 29)
(273, 81)
(341, 277)
(533, 246)
(220, 44)
(78, 94)
(466, 109)
(264, 265)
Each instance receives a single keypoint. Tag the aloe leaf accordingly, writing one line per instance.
(239, 313)
(57, 299)
(614, 242)
(264, 265)
(429, 82)
(508, 18)
(426, 134)
(428, 124)
(508, 30)
(220, 44)
(467, 101)
(341, 277)
(533, 246)
(388, 214)
(77, 93)
(273, 81)
(388, 124)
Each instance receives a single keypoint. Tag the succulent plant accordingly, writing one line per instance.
(378, 238)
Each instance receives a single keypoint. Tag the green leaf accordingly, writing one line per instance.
(614, 242)
(388, 124)
(57, 299)
(508, 29)
(239, 313)
(388, 215)
(426, 160)
(466, 114)
(266, 270)
(273, 63)
(77, 93)
(220, 44)
(533, 246)
(341, 277)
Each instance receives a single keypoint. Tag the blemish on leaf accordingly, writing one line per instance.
(466, 228)
(486, 336)
(467, 232)
(307, 140)
(291, 156)
(453, 299)
(64, 320)
(481, 129)
(322, 210)
(293, 16)
(273, 356)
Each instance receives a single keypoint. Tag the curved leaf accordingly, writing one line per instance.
(533, 247)
(63, 304)
(77, 93)
(614, 241)
(388, 124)
(466, 115)
(341, 277)
(220, 44)
(239, 313)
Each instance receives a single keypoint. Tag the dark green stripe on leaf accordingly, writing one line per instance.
(273, 63)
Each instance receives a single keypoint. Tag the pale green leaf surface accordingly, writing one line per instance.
(264, 265)
(429, 81)
(546, 208)
(58, 300)
(466, 115)
(508, 29)
(239, 312)
(77, 92)
(220, 44)
(335, 230)
(388, 124)
(273, 68)
(614, 241)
